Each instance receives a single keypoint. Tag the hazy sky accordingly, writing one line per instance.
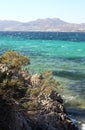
(28, 10)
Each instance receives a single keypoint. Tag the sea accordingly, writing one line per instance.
(62, 53)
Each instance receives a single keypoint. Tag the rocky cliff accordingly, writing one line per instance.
(38, 107)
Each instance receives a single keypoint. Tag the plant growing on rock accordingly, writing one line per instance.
(36, 95)
(12, 85)
(12, 88)
(46, 84)
(13, 59)
(41, 91)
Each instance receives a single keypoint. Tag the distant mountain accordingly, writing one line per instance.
(43, 25)
(6, 25)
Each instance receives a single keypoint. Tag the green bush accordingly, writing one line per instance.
(31, 105)
(45, 87)
(13, 59)
(12, 88)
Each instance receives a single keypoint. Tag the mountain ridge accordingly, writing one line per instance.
(42, 25)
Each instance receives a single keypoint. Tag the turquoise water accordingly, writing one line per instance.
(66, 60)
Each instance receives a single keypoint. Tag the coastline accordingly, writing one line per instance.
(72, 64)
(34, 96)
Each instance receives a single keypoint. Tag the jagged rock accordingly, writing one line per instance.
(56, 96)
(35, 79)
(21, 122)
(51, 116)
(48, 115)
(3, 68)
(10, 118)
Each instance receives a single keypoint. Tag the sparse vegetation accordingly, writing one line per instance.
(44, 88)
(13, 59)
(34, 95)
(46, 85)
(12, 88)
(12, 85)
(31, 105)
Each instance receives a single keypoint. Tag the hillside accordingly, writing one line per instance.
(43, 25)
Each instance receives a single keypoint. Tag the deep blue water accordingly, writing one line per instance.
(67, 36)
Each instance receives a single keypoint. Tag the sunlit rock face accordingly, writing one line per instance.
(35, 79)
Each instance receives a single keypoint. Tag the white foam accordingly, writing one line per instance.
(79, 50)
(82, 126)
(62, 46)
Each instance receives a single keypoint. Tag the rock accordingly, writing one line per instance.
(10, 118)
(56, 96)
(48, 115)
(51, 115)
(3, 68)
(21, 123)
(26, 76)
(35, 79)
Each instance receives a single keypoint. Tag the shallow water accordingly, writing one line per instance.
(62, 53)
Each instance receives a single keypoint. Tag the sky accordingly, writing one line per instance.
(72, 11)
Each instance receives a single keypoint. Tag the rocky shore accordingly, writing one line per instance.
(34, 105)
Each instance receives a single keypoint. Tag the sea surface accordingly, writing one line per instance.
(62, 53)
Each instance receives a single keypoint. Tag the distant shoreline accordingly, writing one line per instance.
(42, 25)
